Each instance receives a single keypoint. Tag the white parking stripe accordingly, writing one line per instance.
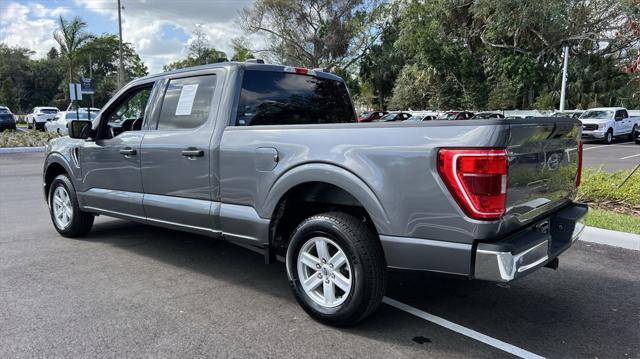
(624, 158)
(512, 349)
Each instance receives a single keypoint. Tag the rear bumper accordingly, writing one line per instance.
(528, 250)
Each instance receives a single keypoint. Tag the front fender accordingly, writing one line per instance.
(334, 175)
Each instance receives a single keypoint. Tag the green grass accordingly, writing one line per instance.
(603, 218)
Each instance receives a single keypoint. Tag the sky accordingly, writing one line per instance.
(158, 29)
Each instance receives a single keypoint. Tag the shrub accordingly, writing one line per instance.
(603, 188)
(29, 138)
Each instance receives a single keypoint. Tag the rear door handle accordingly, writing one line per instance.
(128, 151)
(192, 152)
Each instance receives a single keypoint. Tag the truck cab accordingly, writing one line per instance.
(607, 123)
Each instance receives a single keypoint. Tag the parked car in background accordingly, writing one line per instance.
(338, 202)
(606, 123)
(39, 116)
(7, 119)
(456, 115)
(569, 114)
(420, 118)
(487, 115)
(395, 116)
(371, 116)
(62, 118)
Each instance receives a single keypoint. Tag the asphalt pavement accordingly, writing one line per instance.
(130, 290)
(621, 155)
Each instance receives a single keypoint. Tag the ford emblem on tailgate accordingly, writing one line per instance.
(553, 162)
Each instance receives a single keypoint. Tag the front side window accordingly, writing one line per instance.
(129, 113)
(187, 103)
(281, 98)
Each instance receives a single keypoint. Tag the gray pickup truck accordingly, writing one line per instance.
(272, 158)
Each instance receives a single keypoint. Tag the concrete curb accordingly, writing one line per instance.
(611, 238)
(21, 149)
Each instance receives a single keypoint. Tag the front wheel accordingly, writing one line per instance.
(336, 268)
(65, 212)
(608, 137)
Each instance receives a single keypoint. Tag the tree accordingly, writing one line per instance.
(502, 95)
(198, 45)
(53, 53)
(381, 65)
(316, 33)
(209, 57)
(101, 52)
(8, 95)
(70, 36)
(241, 50)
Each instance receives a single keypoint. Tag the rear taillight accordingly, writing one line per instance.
(579, 172)
(477, 179)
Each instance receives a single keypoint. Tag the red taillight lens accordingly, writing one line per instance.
(477, 179)
(579, 172)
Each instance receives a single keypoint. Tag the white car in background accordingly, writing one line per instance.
(62, 118)
(606, 123)
(37, 118)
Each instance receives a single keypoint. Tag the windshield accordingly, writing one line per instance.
(365, 114)
(4, 110)
(5, 116)
(48, 111)
(598, 114)
(448, 116)
(82, 115)
(482, 116)
(389, 117)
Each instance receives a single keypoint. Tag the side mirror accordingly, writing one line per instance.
(79, 129)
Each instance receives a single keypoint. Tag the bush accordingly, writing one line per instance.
(29, 138)
(602, 189)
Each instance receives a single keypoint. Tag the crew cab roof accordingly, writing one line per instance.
(244, 65)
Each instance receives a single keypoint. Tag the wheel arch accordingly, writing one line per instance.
(55, 165)
(327, 187)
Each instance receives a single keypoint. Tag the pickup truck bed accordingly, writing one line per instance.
(277, 163)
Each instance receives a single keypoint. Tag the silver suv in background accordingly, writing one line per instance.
(271, 158)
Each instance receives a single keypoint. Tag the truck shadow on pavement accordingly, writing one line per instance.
(542, 313)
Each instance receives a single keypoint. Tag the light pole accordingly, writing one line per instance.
(565, 63)
(120, 66)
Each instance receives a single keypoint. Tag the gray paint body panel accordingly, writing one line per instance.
(233, 190)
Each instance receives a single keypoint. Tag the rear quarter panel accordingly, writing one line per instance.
(396, 161)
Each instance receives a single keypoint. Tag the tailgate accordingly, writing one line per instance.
(543, 163)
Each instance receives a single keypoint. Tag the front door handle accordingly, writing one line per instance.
(192, 152)
(128, 151)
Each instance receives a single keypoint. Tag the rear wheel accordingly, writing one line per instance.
(336, 268)
(608, 137)
(65, 212)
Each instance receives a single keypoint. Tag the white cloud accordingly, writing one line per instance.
(144, 23)
(18, 29)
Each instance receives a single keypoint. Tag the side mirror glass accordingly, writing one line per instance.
(79, 129)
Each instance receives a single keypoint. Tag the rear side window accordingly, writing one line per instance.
(280, 98)
(187, 103)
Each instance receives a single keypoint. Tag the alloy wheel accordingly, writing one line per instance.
(324, 271)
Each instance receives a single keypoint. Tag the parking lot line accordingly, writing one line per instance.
(511, 349)
(627, 157)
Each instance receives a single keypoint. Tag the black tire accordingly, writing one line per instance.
(608, 137)
(365, 256)
(81, 222)
(633, 131)
(29, 125)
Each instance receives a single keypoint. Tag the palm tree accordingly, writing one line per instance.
(71, 35)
